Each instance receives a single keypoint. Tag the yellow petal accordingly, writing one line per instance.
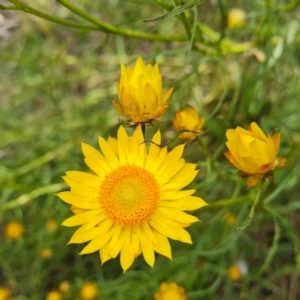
(123, 145)
(175, 195)
(116, 248)
(118, 107)
(82, 218)
(134, 244)
(189, 203)
(148, 232)
(154, 164)
(154, 149)
(113, 143)
(276, 140)
(104, 254)
(167, 95)
(181, 179)
(254, 128)
(163, 246)
(146, 245)
(93, 155)
(109, 154)
(80, 189)
(85, 178)
(79, 236)
(164, 177)
(126, 259)
(79, 201)
(149, 101)
(115, 236)
(97, 243)
(177, 215)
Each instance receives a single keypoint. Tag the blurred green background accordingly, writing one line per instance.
(56, 87)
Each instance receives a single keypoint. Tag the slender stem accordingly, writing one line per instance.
(272, 249)
(27, 9)
(207, 155)
(106, 27)
(3, 7)
(251, 213)
(49, 189)
(229, 202)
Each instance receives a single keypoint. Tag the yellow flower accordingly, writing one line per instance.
(187, 119)
(54, 295)
(133, 203)
(234, 273)
(14, 230)
(46, 253)
(170, 291)
(236, 18)
(253, 153)
(64, 287)
(238, 270)
(89, 291)
(140, 93)
(51, 225)
(230, 218)
(4, 293)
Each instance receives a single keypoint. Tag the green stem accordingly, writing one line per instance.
(272, 250)
(27, 9)
(106, 27)
(100, 25)
(251, 213)
(49, 189)
(229, 202)
(207, 155)
(3, 7)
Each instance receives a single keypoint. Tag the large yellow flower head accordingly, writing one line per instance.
(140, 93)
(188, 119)
(170, 291)
(133, 202)
(253, 152)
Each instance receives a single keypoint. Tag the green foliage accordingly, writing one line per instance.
(58, 74)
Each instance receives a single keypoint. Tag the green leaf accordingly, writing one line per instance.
(176, 11)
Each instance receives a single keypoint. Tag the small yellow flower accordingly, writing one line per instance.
(170, 291)
(64, 287)
(4, 293)
(14, 230)
(229, 218)
(46, 253)
(54, 295)
(253, 153)
(238, 270)
(236, 18)
(187, 119)
(234, 273)
(133, 202)
(140, 93)
(51, 225)
(89, 291)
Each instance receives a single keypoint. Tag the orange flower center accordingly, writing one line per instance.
(129, 195)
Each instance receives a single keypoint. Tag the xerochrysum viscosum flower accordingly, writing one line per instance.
(188, 119)
(134, 202)
(253, 152)
(140, 93)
